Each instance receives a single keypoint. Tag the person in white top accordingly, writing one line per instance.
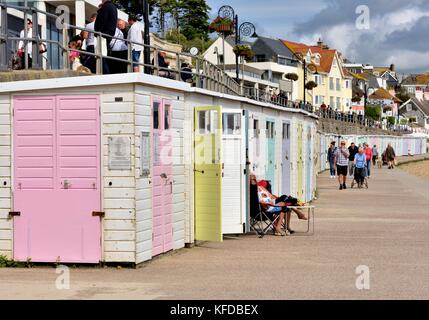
(135, 34)
(21, 50)
(119, 50)
(90, 42)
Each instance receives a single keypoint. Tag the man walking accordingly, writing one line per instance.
(135, 34)
(331, 151)
(368, 153)
(374, 155)
(341, 157)
(353, 150)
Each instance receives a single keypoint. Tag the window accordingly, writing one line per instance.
(167, 116)
(339, 103)
(260, 58)
(338, 83)
(347, 84)
(335, 64)
(281, 60)
(270, 129)
(411, 90)
(156, 106)
(318, 79)
(332, 102)
(331, 83)
(231, 123)
(256, 128)
(317, 60)
(207, 121)
(286, 131)
(409, 107)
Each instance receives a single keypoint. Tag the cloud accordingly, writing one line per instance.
(398, 32)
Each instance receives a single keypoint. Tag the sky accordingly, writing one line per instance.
(377, 32)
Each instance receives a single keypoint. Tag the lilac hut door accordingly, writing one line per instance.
(57, 179)
(162, 195)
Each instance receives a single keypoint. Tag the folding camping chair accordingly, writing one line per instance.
(260, 222)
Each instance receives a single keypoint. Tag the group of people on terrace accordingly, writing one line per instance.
(356, 161)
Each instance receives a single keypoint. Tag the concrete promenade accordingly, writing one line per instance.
(385, 228)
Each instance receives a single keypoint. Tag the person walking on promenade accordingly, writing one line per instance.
(331, 151)
(360, 163)
(390, 156)
(341, 161)
(368, 153)
(353, 150)
(374, 155)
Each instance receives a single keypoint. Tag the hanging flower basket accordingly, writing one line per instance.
(244, 51)
(223, 26)
(310, 85)
(292, 76)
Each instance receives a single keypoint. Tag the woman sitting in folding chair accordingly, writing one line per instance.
(275, 211)
(283, 202)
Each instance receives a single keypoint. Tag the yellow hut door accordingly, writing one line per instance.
(208, 173)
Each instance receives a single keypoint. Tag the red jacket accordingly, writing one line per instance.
(368, 153)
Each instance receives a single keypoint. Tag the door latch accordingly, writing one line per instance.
(66, 184)
(98, 214)
(14, 214)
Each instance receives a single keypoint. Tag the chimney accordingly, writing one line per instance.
(320, 43)
(392, 67)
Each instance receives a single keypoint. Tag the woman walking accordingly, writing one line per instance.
(390, 156)
(331, 152)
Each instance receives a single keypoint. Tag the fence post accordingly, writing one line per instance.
(198, 76)
(35, 44)
(3, 37)
(130, 66)
(155, 61)
(99, 56)
(178, 67)
(66, 61)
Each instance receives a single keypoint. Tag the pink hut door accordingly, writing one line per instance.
(56, 179)
(162, 170)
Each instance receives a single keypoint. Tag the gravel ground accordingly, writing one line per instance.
(420, 169)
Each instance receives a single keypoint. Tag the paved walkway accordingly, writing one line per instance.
(385, 228)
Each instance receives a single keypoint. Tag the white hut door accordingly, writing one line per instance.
(162, 194)
(232, 189)
(57, 179)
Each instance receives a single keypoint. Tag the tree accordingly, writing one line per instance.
(194, 19)
(135, 6)
(403, 96)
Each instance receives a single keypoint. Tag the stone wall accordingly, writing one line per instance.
(345, 128)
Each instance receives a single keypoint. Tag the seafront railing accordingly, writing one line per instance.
(204, 74)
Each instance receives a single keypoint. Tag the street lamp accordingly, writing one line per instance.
(306, 67)
(246, 29)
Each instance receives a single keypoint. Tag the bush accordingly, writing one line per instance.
(373, 112)
(391, 120)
